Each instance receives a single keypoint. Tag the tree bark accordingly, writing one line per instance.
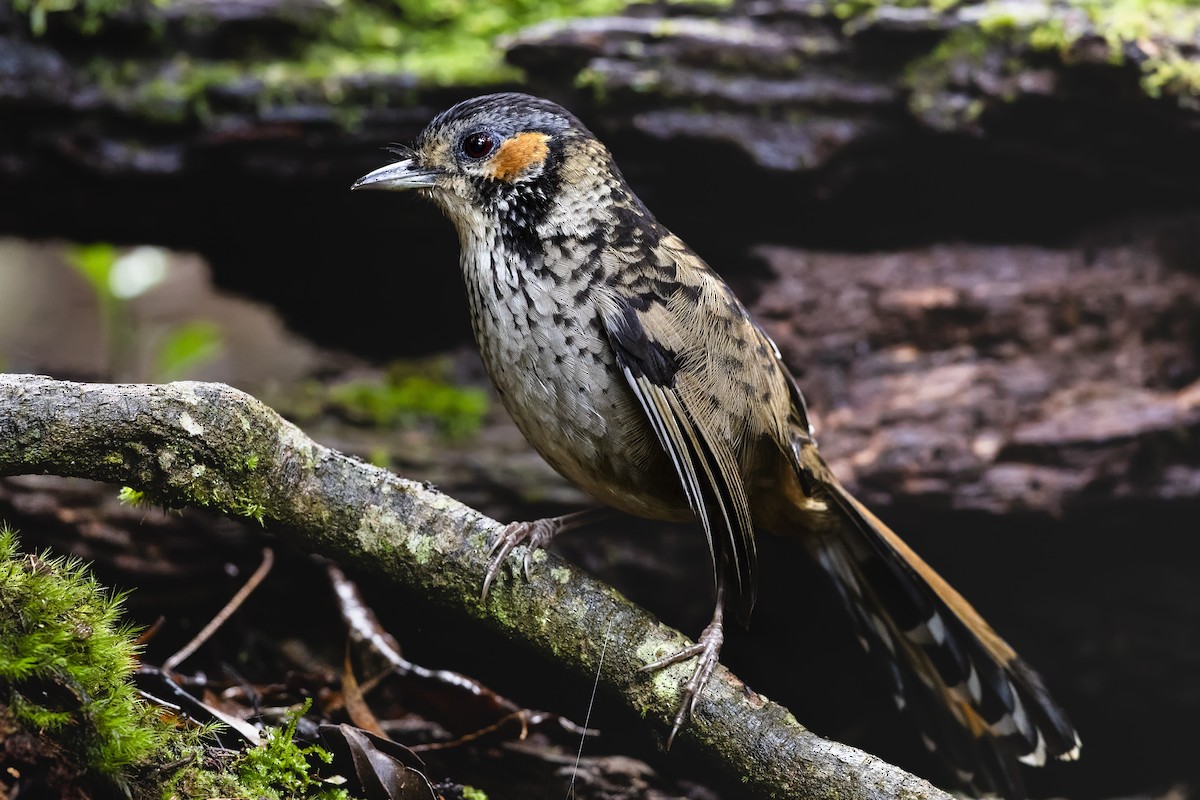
(207, 445)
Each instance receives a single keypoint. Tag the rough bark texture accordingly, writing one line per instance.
(1003, 379)
(771, 122)
(211, 446)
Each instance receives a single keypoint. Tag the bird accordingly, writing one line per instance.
(632, 368)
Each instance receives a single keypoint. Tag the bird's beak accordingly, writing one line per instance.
(401, 175)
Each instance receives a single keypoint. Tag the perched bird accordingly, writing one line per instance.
(633, 369)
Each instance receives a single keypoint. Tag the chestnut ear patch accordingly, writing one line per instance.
(518, 154)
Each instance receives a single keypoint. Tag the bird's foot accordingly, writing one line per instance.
(536, 534)
(706, 649)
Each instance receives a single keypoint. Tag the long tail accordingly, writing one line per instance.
(979, 705)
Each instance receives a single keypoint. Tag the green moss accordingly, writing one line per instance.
(439, 41)
(1148, 32)
(412, 394)
(471, 793)
(854, 9)
(170, 91)
(1155, 29)
(593, 81)
(66, 661)
(205, 495)
(250, 509)
(131, 497)
(201, 487)
(1174, 76)
(962, 51)
(280, 768)
(87, 15)
(436, 43)
(1050, 35)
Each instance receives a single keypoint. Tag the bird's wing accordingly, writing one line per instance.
(649, 355)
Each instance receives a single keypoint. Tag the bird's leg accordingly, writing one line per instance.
(536, 534)
(707, 648)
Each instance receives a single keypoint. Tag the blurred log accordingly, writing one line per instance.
(840, 125)
(796, 84)
(1007, 380)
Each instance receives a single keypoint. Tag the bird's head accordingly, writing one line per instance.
(499, 157)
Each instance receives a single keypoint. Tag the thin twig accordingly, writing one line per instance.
(225, 613)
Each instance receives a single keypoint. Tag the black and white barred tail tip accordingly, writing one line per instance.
(979, 705)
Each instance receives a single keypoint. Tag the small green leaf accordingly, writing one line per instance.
(185, 348)
(94, 262)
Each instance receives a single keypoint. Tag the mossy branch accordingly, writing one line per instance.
(209, 445)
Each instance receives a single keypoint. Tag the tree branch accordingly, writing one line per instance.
(209, 445)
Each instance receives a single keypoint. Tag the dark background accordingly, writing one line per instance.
(979, 256)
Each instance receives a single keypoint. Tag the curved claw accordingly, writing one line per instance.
(506, 541)
(536, 534)
(707, 649)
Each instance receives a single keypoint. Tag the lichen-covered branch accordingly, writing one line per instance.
(202, 444)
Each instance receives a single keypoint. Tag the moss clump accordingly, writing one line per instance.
(89, 15)
(439, 42)
(1149, 32)
(429, 42)
(132, 497)
(71, 717)
(65, 667)
(281, 768)
(960, 54)
(1004, 42)
(412, 394)
(853, 9)
(278, 769)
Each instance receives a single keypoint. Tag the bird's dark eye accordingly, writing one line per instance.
(478, 145)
